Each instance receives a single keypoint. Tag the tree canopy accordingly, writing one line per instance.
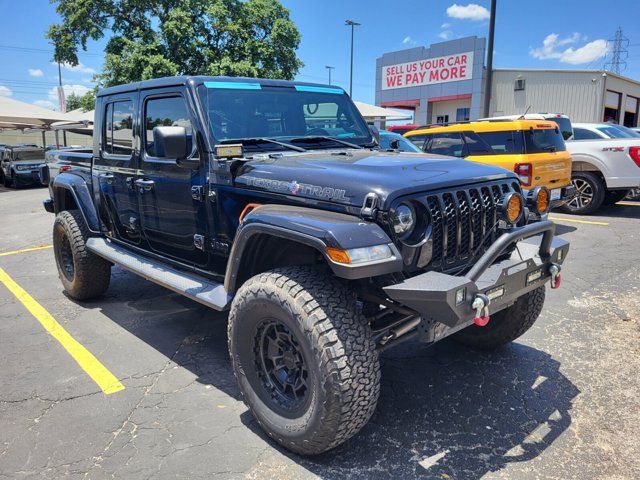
(156, 38)
(86, 102)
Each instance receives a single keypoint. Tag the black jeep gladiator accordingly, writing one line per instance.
(272, 200)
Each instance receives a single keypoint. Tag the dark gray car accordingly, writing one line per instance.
(21, 166)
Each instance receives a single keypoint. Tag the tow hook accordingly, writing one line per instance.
(481, 306)
(556, 278)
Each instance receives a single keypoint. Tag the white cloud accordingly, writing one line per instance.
(408, 41)
(551, 49)
(79, 90)
(445, 34)
(445, 25)
(46, 104)
(5, 91)
(472, 11)
(78, 68)
(35, 72)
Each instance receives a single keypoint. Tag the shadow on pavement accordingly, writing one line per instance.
(444, 410)
(618, 211)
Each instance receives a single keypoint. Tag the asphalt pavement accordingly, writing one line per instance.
(562, 402)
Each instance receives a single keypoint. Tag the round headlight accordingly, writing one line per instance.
(403, 220)
(512, 207)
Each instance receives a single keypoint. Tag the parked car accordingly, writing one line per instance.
(324, 248)
(534, 149)
(395, 141)
(21, 165)
(401, 128)
(595, 131)
(563, 121)
(603, 172)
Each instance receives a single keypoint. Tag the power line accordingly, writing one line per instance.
(619, 54)
(43, 50)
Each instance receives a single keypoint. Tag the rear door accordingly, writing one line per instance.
(171, 198)
(116, 168)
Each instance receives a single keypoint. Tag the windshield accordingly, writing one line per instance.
(238, 110)
(565, 126)
(543, 140)
(632, 133)
(404, 145)
(29, 155)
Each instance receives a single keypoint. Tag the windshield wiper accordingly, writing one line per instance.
(317, 138)
(254, 140)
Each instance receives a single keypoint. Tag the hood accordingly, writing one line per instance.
(347, 177)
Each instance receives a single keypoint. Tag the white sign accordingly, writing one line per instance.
(451, 68)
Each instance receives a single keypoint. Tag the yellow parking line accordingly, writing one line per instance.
(90, 364)
(629, 204)
(25, 250)
(575, 220)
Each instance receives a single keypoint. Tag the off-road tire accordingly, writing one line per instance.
(597, 188)
(90, 274)
(611, 197)
(6, 181)
(506, 325)
(335, 342)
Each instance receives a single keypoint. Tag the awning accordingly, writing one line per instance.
(19, 115)
(373, 112)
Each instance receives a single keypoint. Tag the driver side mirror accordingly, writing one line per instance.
(375, 132)
(394, 144)
(170, 142)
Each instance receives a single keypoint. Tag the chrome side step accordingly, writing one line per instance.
(190, 285)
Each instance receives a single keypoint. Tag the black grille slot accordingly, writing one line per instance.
(463, 222)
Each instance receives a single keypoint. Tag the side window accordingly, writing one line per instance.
(165, 112)
(417, 140)
(476, 145)
(584, 134)
(449, 144)
(118, 128)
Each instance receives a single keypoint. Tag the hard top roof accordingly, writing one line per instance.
(194, 81)
(485, 126)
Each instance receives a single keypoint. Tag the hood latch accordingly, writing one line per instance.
(369, 206)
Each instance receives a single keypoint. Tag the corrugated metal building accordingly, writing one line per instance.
(444, 82)
(584, 95)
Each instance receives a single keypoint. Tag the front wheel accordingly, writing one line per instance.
(84, 275)
(304, 358)
(506, 325)
(590, 193)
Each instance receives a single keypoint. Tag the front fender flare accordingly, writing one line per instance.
(318, 229)
(79, 190)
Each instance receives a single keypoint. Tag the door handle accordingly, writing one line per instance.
(144, 184)
(108, 177)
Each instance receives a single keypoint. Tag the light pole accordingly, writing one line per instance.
(329, 67)
(489, 78)
(352, 24)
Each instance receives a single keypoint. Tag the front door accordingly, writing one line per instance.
(115, 168)
(171, 197)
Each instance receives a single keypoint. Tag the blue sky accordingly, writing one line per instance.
(534, 34)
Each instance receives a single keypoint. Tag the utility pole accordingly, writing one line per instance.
(63, 106)
(619, 53)
(352, 24)
(489, 76)
(329, 67)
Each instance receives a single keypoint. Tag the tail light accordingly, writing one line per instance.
(64, 168)
(634, 153)
(524, 172)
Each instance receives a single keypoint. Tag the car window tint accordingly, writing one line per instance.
(449, 144)
(505, 142)
(417, 140)
(164, 112)
(584, 134)
(544, 140)
(476, 145)
(118, 128)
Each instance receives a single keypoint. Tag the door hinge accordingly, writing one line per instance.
(198, 241)
(197, 193)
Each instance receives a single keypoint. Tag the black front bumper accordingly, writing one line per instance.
(433, 294)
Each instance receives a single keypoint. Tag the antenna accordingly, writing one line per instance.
(521, 117)
(619, 54)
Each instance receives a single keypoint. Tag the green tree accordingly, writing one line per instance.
(86, 102)
(155, 38)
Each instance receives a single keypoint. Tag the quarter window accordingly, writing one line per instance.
(417, 140)
(584, 134)
(165, 112)
(118, 128)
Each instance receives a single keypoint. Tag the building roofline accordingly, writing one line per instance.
(567, 70)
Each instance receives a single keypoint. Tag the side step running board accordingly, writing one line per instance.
(190, 285)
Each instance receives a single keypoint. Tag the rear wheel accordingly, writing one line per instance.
(506, 325)
(304, 358)
(590, 193)
(611, 197)
(83, 274)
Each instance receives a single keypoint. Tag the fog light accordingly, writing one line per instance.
(461, 296)
(512, 207)
(355, 256)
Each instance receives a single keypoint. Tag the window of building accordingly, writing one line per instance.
(631, 112)
(164, 112)
(612, 107)
(442, 119)
(519, 85)
(118, 128)
(462, 114)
